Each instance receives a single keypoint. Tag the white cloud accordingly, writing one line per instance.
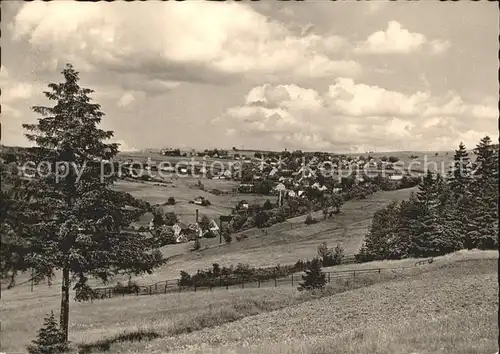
(126, 99)
(351, 115)
(17, 91)
(192, 41)
(397, 39)
(439, 46)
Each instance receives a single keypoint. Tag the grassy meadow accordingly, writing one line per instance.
(283, 243)
(448, 306)
(184, 189)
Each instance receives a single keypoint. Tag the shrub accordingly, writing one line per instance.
(240, 237)
(206, 202)
(216, 191)
(393, 159)
(330, 257)
(310, 220)
(185, 279)
(267, 205)
(226, 235)
(130, 288)
(314, 278)
(50, 339)
(197, 244)
(165, 236)
(204, 223)
(170, 218)
(171, 201)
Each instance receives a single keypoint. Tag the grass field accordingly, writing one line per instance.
(184, 189)
(448, 304)
(283, 243)
(448, 308)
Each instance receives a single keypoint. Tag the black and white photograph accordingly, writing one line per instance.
(249, 177)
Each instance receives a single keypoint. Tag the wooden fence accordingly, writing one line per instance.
(173, 286)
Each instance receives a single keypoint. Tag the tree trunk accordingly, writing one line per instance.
(64, 321)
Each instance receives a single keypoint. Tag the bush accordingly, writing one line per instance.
(240, 237)
(165, 236)
(170, 218)
(185, 279)
(171, 201)
(197, 244)
(393, 159)
(267, 205)
(130, 288)
(226, 235)
(314, 278)
(50, 339)
(204, 223)
(216, 191)
(330, 257)
(206, 202)
(310, 220)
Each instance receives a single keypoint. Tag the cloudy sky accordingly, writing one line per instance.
(344, 76)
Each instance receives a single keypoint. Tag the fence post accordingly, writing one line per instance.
(328, 276)
(258, 283)
(242, 283)
(275, 282)
(227, 286)
(150, 289)
(220, 281)
(166, 286)
(379, 270)
(292, 280)
(156, 287)
(354, 274)
(194, 286)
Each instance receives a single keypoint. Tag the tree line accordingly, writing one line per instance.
(448, 213)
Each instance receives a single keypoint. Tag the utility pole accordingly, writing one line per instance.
(198, 237)
(32, 275)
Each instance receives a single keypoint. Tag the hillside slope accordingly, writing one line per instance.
(451, 308)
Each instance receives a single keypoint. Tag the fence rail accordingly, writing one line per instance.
(226, 283)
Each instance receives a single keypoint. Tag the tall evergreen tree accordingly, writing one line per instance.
(484, 192)
(459, 176)
(82, 229)
(314, 278)
(383, 240)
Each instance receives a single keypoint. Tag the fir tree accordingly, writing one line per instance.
(50, 339)
(459, 176)
(80, 231)
(314, 278)
(483, 222)
(384, 237)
